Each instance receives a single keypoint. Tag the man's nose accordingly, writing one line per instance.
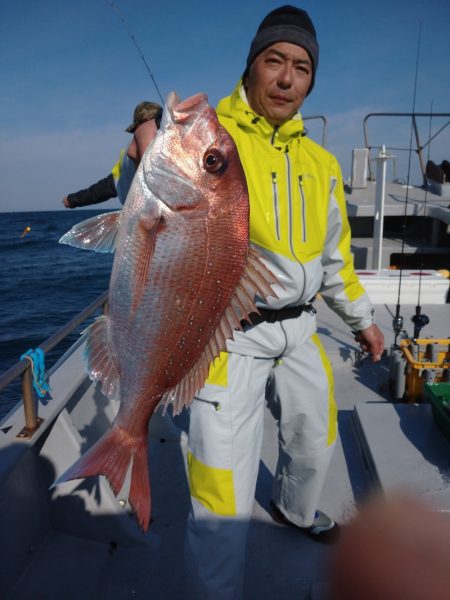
(285, 77)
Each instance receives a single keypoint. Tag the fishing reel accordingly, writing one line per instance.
(419, 320)
(397, 326)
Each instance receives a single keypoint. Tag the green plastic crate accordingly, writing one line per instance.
(439, 396)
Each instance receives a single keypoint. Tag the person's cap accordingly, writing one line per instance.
(145, 111)
(286, 24)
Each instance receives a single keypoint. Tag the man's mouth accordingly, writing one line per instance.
(281, 100)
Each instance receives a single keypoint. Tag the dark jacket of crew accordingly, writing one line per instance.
(103, 190)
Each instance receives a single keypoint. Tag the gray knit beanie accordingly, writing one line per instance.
(286, 24)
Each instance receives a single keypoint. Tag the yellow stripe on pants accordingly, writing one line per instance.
(212, 487)
(218, 371)
(332, 407)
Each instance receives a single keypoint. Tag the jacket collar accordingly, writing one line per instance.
(237, 107)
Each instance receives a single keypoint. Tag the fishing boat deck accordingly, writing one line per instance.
(426, 239)
(416, 200)
(97, 553)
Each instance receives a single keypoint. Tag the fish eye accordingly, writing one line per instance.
(214, 161)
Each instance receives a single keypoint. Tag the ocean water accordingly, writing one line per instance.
(43, 285)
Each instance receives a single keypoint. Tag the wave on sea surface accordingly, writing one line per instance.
(43, 285)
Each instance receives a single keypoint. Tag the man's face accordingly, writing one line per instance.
(278, 81)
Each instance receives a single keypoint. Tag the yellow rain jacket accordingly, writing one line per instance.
(298, 217)
(123, 173)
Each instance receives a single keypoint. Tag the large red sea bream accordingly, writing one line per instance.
(183, 278)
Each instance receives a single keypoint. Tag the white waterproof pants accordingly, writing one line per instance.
(225, 444)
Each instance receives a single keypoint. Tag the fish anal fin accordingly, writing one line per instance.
(111, 456)
(98, 233)
(99, 360)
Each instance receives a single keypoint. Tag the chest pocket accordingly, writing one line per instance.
(312, 216)
(276, 205)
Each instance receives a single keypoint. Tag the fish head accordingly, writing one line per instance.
(193, 163)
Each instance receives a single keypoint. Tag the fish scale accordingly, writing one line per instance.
(183, 278)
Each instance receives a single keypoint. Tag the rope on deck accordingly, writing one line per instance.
(37, 361)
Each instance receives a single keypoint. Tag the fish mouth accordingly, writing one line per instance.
(181, 111)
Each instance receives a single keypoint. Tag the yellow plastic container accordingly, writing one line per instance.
(427, 361)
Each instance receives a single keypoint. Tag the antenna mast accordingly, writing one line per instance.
(397, 323)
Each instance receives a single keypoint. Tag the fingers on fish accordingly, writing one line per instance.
(182, 111)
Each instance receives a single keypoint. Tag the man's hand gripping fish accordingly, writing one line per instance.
(183, 278)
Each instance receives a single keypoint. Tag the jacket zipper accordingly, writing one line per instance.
(291, 242)
(275, 204)
(275, 129)
(303, 207)
(289, 192)
(275, 190)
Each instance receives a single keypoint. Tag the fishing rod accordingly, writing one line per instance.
(133, 39)
(419, 319)
(397, 322)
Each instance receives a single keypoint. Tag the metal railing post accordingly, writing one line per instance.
(378, 223)
(32, 421)
(29, 402)
(419, 147)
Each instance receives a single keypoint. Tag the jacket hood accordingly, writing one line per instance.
(237, 107)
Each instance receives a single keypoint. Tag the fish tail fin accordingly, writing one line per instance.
(139, 495)
(111, 456)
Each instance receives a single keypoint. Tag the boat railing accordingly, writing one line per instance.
(23, 367)
(419, 147)
(324, 126)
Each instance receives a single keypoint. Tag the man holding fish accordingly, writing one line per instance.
(184, 279)
(298, 222)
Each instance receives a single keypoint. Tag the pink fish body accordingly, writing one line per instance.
(183, 278)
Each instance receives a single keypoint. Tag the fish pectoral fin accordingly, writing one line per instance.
(99, 359)
(97, 233)
(147, 232)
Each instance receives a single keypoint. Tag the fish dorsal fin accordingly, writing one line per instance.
(97, 233)
(99, 361)
(257, 280)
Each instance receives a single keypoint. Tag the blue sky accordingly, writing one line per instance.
(71, 76)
